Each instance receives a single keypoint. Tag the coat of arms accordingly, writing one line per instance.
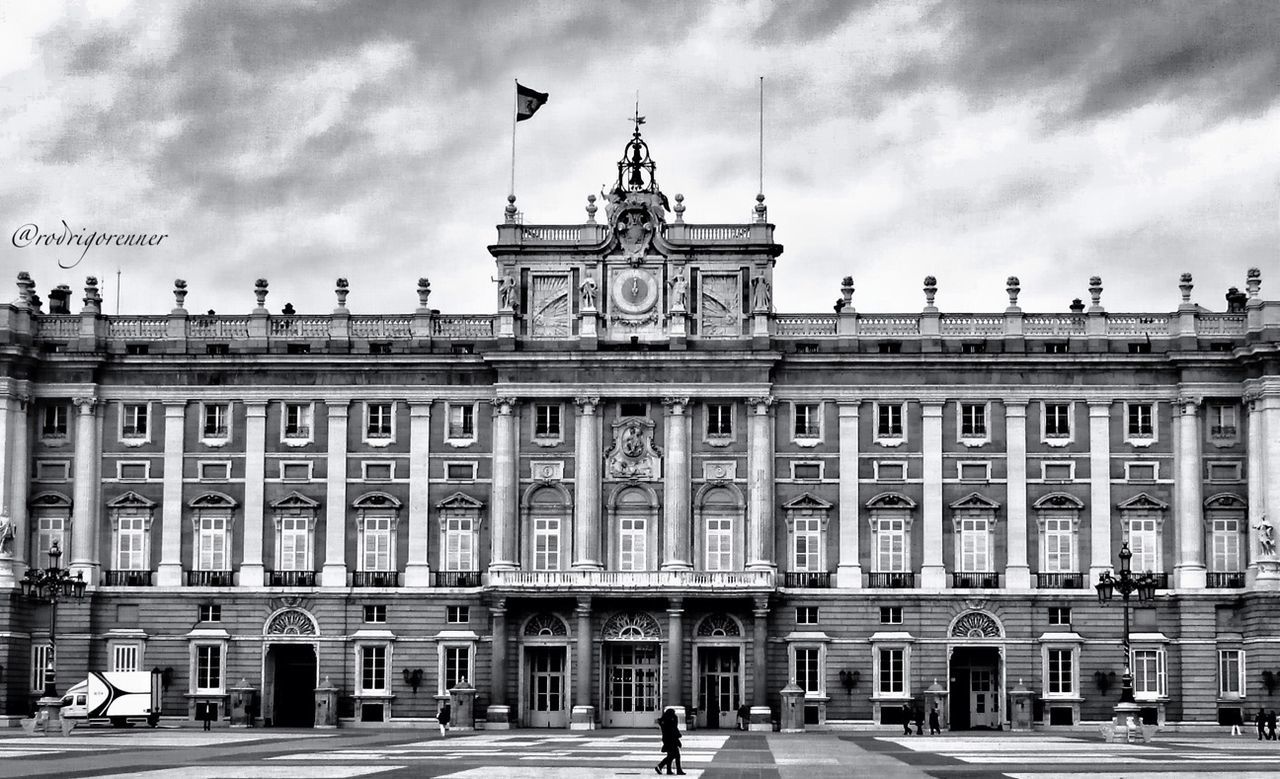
(632, 454)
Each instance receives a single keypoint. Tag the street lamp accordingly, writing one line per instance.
(1127, 584)
(51, 585)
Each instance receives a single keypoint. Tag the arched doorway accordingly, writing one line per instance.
(632, 670)
(289, 669)
(717, 658)
(545, 672)
(975, 665)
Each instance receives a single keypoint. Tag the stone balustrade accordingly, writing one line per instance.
(710, 581)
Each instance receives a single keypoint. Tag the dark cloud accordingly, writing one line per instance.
(797, 21)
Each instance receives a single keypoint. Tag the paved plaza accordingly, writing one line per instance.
(280, 754)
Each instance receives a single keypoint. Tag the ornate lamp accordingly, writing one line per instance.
(51, 585)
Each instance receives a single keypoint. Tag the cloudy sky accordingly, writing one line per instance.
(302, 141)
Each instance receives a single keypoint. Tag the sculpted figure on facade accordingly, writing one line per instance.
(506, 292)
(761, 294)
(588, 291)
(679, 292)
(1266, 537)
(632, 454)
(8, 531)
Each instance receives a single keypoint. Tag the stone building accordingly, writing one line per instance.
(638, 485)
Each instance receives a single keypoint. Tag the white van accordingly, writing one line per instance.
(117, 697)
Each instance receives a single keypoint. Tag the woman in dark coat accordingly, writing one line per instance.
(670, 742)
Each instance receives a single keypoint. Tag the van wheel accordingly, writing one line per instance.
(119, 722)
(153, 720)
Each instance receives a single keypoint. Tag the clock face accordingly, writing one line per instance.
(635, 290)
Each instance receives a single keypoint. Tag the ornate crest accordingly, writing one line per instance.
(975, 624)
(718, 626)
(292, 622)
(632, 454)
(632, 626)
(635, 206)
(545, 626)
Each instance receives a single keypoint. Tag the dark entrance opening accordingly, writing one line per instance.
(976, 694)
(293, 689)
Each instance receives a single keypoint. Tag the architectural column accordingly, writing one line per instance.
(417, 572)
(1099, 489)
(499, 714)
(506, 499)
(1264, 568)
(760, 525)
(584, 714)
(19, 483)
(677, 550)
(1017, 573)
(1266, 418)
(252, 568)
(675, 664)
(169, 572)
(12, 416)
(849, 572)
(1189, 572)
(334, 573)
(933, 574)
(761, 716)
(586, 485)
(84, 511)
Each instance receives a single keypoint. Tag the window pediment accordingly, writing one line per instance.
(376, 500)
(975, 502)
(50, 500)
(213, 500)
(130, 500)
(1143, 502)
(295, 501)
(891, 500)
(807, 502)
(1226, 500)
(460, 501)
(1058, 500)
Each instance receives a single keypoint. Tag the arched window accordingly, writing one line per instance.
(1058, 518)
(633, 511)
(377, 519)
(51, 520)
(547, 512)
(720, 527)
(1225, 519)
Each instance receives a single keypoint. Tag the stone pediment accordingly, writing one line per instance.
(130, 500)
(295, 500)
(1058, 500)
(460, 501)
(1143, 502)
(632, 454)
(807, 502)
(975, 502)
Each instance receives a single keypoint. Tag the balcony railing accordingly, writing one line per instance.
(815, 579)
(632, 580)
(977, 580)
(1162, 580)
(375, 579)
(126, 578)
(209, 578)
(291, 578)
(1223, 431)
(893, 581)
(455, 578)
(1220, 580)
(1060, 581)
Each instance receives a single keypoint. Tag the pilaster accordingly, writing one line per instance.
(760, 525)
(586, 486)
(502, 545)
(675, 653)
(1189, 572)
(252, 567)
(676, 554)
(1269, 478)
(1099, 488)
(761, 715)
(17, 474)
(417, 572)
(84, 511)
(584, 713)
(849, 570)
(169, 572)
(933, 574)
(498, 717)
(1017, 571)
(1264, 566)
(334, 573)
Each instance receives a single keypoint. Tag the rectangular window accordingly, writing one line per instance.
(1061, 672)
(546, 423)
(1140, 472)
(890, 615)
(975, 471)
(298, 349)
(806, 615)
(892, 672)
(806, 347)
(379, 347)
(1140, 420)
(1057, 471)
(457, 615)
(891, 546)
(973, 347)
(631, 544)
(888, 420)
(217, 420)
(208, 668)
(378, 470)
(974, 545)
(131, 544)
(889, 347)
(1226, 546)
(1222, 420)
(215, 471)
(546, 543)
(297, 420)
(633, 409)
(891, 471)
(49, 530)
(41, 654)
(132, 471)
(719, 420)
(52, 470)
(458, 543)
(126, 657)
(457, 665)
(211, 543)
(1057, 420)
(1060, 615)
(808, 423)
(1057, 347)
(806, 471)
(378, 420)
(1144, 542)
(133, 423)
(375, 613)
(377, 544)
(719, 543)
(53, 420)
(460, 471)
(209, 612)
(973, 420)
(1148, 673)
(808, 544)
(297, 470)
(295, 544)
(1230, 673)
(807, 670)
(462, 421)
(1059, 545)
(373, 668)
(217, 349)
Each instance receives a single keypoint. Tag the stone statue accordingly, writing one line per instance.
(588, 291)
(761, 294)
(679, 292)
(7, 533)
(506, 291)
(1266, 536)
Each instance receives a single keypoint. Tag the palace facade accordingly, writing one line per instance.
(638, 485)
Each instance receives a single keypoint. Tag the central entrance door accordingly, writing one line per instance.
(719, 686)
(291, 674)
(546, 702)
(976, 688)
(632, 676)
(984, 711)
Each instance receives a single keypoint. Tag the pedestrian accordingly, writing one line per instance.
(670, 727)
(919, 713)
(906, 718)
(935, 725)
(208, 716)
(1237, 720)
(1271, 725)
(744, 716)
(443, 717)
(1261, 721)
(251, 710)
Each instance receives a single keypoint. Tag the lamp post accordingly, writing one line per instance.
(1127, 584)
(51, 585)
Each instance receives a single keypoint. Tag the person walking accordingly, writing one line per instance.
(935, 725)
(1261, 721)
(744, 716)
(443, 716)
(919, 714)
(1271, 725)
(906, 718)
(1237, 721)
(670, 727)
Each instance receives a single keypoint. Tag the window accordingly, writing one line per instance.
(373, 668)
(50, 530)
(719, 546)
(131, 543)
(631, 544)
(891, 470)
(219, 470)
(41, 655)
(806, 347)
(890, 615)
(462, 349)
(294, 551)
(133, 421)
(457, 615)
(1224, 471)
(208, 671)
(719, 420)
(217, 349)
(1060, 615)
(1148, 673)
(376, 546)
(1222, 422)
(457, 664)
(126, 657)
(633, 409)
(973, 347)
(209, 612)
(1144, 542)
(378, 421)
(1140, 347)
(975, 471)
(52, 470)
(1140, 471)
(1057, 470)
(1140, 420)
(808, 669)
(888, 420)
(973, 420)
(298, 349)
(1057, 347)
(889, 347)
(459, 544)
(1225, 545)
(806, 615)
(546, 421)
(462, 421)
(375, 613)
(298, 419)
(1060, 667)
(546, 543)
(891, 672)
(460, 471)
(217, 421)
(132, 471)
(808, 420)
(378, 470)
(807, 538)
(379, 347)
(1059, 547)
(53, 421)
(974, 543)
(891, 545)
(1230, 673)
(803, 471)
(1057, 420)
(295, 470)
(211, 544)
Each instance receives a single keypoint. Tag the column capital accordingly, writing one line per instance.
(420, 409)
(760, 606)
(848, 409)
(86, 403)
(761, 403)
(675, 606)
(1189, 404)
(1099, 408)
(498, 607)
(932, 408)
(504, 404)
(1015, 408)
(337, 408)
(175, 408)
(676, 406)
(587, 404)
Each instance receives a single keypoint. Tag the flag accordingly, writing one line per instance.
(528, 102)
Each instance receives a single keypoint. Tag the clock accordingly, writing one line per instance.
(634, 291)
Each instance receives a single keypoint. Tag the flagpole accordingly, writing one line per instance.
(761, 190)
(515, 110)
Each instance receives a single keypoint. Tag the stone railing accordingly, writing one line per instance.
(703, 233)
(631, 580)
(217, 327)
(1221, 324)
(139, 327)
(806, 324)
(889, 324)
(1138, 324)
(565, 233)
(378, 326)
(58, 327)
(299, 326)
(462, 326)
(1053, 324)
(971, 324)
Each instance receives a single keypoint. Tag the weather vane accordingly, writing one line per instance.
(638, 119)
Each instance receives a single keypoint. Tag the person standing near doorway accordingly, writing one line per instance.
(907, 716)
(744, 717)
(443, 716)
(670, 727)
(935, 725)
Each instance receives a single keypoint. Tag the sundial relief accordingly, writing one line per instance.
(549, 306)
(721, 309)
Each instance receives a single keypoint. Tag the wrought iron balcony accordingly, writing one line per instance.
(126, 578)
(209, 579)
(894, 581)
(1219, 580)
(1161, 579)
(291, 578)
(711, 581)
(375, 579)
(455, 578)
(977, 580)
(817, 579)
(1060, 581)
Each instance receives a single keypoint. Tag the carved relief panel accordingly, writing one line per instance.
(632, 454)
(720, 309)
(549, 306)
